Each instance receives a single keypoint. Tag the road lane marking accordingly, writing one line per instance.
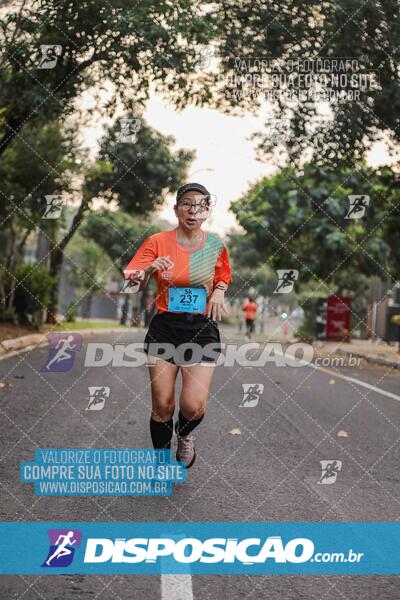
(358, 382)
(352, 379)
(176, 587)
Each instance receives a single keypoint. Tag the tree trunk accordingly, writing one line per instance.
(125, 310)
(42, 249)
(2, 293)
(56, 259)
(88, 305)
(11, 267)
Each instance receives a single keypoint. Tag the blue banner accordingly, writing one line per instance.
(102, 472)
(199, 548)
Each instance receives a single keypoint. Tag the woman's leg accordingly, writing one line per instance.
(163, 375)
(196, 380)
(248, 329)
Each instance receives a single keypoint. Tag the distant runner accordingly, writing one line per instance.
(250, 309)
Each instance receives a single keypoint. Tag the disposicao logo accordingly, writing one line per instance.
(190, 550)
(62, 547)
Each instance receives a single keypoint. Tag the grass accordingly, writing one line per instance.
(9, 331)
(79, 325)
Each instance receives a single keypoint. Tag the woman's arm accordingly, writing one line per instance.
(221, 285)
(143, 275)
(145, 262)
(222, 277)
(216, 303)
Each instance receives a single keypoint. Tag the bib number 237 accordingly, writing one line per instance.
(187, 299)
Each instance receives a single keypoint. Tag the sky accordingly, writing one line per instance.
(225, 163)
(225, 160)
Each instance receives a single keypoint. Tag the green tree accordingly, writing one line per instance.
(119, 236)
(134, 176)
(248, 265)
(131, 44)
(42, 163)
(367, 31)
(138, 173)
(298, 221)
(88, 270)
(31, 293)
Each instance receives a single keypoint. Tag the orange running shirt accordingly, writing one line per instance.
(250, 308)
(203, 266)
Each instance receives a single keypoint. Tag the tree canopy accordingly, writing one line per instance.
(298, 221)
(291, 38)
(132, 45)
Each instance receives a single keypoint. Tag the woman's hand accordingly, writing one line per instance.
(162, 263)
(216, 305)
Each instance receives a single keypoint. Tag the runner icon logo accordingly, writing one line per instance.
(129, 129)
(130, 285)
(97, 397)
(286, 279)
(62, 547)
(357, 206)
(330, 470)
(54, 206)
(63, 347)
(277, 130)
(251, 394)
(49, 55)
(166, 275)
(203, 57)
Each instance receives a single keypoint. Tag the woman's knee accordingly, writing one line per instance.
(163, 408)
(192, 411)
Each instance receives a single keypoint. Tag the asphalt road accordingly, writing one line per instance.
(268, 472)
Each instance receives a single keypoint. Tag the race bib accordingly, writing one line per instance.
(189, 299)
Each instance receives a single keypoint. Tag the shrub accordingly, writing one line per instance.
(32, 293)
(71, 313)
(8, 315)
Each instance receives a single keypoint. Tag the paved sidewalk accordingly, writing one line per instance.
(378, 351)
(373, 351)
(26, 342)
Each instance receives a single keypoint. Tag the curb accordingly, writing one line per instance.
(8, 347)
(19, 343)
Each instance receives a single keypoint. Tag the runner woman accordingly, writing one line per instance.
(192, 271)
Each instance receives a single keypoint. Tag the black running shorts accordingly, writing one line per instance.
(183, 338)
